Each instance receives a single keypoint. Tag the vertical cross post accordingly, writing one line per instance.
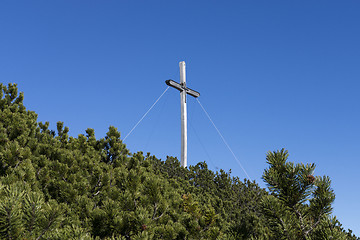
(183, 92)
(183, 115)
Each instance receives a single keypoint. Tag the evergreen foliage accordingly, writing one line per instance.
(55, 186)
(299, 204)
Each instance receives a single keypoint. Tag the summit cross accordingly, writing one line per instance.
(183, 92)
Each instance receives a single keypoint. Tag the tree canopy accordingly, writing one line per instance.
(56, 186)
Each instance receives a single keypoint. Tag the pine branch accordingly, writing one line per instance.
(298, 214)
(156, 218)
(52, 220)
(313, 226)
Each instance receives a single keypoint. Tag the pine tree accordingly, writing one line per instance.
(299, 203)
(56, 186)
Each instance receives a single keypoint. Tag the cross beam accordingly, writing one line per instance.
(183, 91)
(182, 87)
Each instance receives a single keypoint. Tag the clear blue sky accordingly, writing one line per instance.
(272, 75)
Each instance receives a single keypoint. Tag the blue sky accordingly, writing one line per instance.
(272, 75)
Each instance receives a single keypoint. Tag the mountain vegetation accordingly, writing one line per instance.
(55, 186)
